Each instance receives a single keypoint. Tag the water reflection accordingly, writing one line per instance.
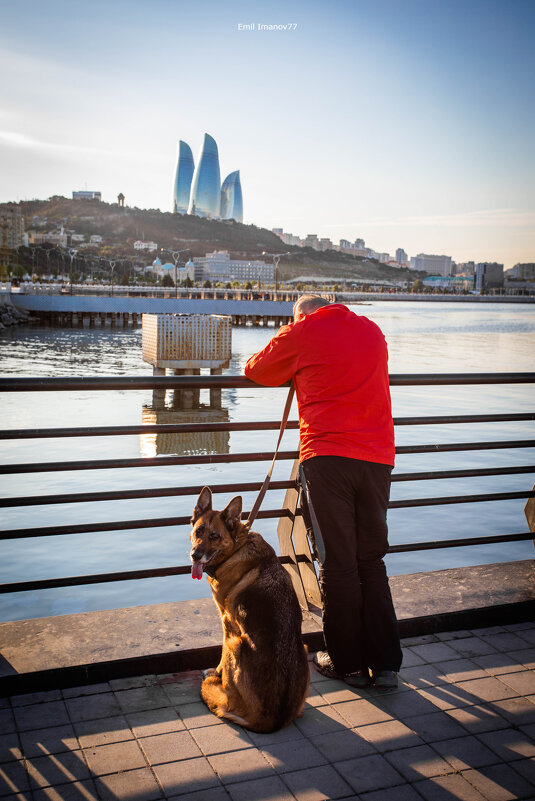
(188, 443)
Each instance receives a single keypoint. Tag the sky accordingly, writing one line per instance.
(407, 123)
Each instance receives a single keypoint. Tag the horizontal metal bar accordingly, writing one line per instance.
(166, 492)
(125, 525)
(255, 425)
(453, 499)
(181, 570)
(156, 492)
(461, 542)
(91, 383)
(158, 461)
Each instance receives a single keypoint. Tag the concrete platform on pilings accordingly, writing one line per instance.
(69, 650)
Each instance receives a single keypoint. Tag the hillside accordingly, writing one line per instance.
(120, 227)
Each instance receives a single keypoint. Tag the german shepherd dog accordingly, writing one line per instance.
(262, 679)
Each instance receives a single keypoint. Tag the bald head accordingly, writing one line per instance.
(308, 304)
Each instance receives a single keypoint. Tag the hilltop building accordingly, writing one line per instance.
(197, 189)
(85, 195)
(434, 265)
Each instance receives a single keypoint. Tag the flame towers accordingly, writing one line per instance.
(198, 190)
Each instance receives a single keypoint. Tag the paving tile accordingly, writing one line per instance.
(35, 698)
(238, 766)
(177, 778)
(448, 788)
(518, 626)
(509, 744)
(57, 769)
(126, 785)
(181, 688)
(419, 640)
(526, 657)
(448, 696)
(87, 689)
(488, 631)
(169, 747)
(270, 788)
(389, 736)
(422, 676)
(526, 768)
(52, 740)
(91, 707)
(103, 731)
(522, 683)
(288, 733)
(519, 711)
(498, 663)
(478, 718)
(40, 716)
(323, 719)
(154, 721)
(368, 773)
(410, 659)
(435, 726)
(75, 791)
(461, 670)
(340, 745)
(104, 759)
(7, 721)
(317, 784)
(444, 636)
(401, 705)
(139, 699)
(133, 681)
(197, 714)
(402, 793)
(360, 712)
(210, 794)
(528, 635)
(296, 755)
(13, 778)
(417, 763)
(499, 783)
(217, 740)
(435, 652)
(338, 691)
(508, 642)
(315, 698)
(10, 749)
(465, 752)
(474, 646)
(489, 689)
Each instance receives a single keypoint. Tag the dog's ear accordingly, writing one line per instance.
(204, 504)
(231, 514)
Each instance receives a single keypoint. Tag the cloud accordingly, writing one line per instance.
(23, 141)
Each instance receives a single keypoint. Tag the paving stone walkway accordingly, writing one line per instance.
(460, 726)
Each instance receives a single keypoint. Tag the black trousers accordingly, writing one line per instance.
(349, 498)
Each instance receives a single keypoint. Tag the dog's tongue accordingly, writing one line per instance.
(196, 570)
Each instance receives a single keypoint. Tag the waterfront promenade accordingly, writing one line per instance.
(461, 725)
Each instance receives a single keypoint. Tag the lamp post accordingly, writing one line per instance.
(276, 258)
(176, 255)
(72, 254)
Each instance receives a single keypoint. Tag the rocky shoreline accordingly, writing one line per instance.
(9, 316)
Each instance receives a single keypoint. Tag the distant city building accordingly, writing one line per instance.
(465, 268)
(456, 282)
(218, 266)
(183, 177)
(360, 244)
(325, 244)
(383, 257)
(11, 226)
(345, 244)
(95, 239)
(288, 239)
(434, 265)
(85, 195)
(57, 238)
(312, 241)
(525, 272)
(401, 257)
(141, 244)
(231, 198)
(489, 275)
(77, 237)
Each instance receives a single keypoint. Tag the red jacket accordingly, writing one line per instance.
(339, 363)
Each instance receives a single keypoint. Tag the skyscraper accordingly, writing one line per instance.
(205, 198)
(183, 176)
(231, 198)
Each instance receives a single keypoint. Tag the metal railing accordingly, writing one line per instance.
(240, 382)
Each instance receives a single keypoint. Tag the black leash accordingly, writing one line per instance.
(263, 489)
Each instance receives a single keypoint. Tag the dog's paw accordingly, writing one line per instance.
(209, 672)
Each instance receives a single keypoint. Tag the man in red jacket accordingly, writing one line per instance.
(339, 363)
